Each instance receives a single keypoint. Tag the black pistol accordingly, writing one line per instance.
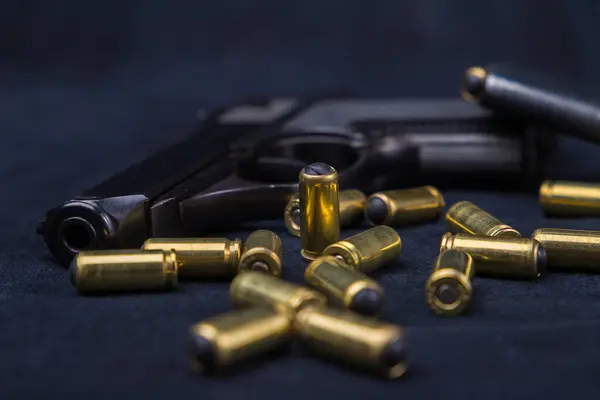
(242, 163)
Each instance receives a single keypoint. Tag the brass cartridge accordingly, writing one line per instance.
(219, 343)
(405, 206)
(257, 289)
(570, 199)
(124, 270)
(319, 209)
(262, 252)
(570, 249)
(352, 210)
(364, 342)
(345, 287)
(466, 217)
(504, 257)
(368, 250)
(448, 290)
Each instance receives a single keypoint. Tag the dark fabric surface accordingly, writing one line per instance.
(90, 87)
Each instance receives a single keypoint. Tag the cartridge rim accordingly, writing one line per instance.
(455, 280)
(309, 255)
(288, 215)
(540, 258)
(330, 177)
(472, 86)
(504, 231)
(267, 256)
(347, 251)
(171, 269)
(446, 242)
(235, 251)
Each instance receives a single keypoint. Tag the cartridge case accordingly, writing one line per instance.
(466, 217)
(262, 252)
(201, 257)
(345, 287)
(361, 341)
(368, 250)
(257, 289)
(530, 96)
(570, 199)
(569, 249)
(405, 206)
(319, 209)
(351, 206)
(124, 270)
(502, 257)
(220, 343)
(448, 290)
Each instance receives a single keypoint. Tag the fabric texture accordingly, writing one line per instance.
(90, 87)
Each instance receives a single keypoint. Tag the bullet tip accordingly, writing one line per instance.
(394, 353)
(376, 210)
(202, 353)
(318, 169)
(367, 302)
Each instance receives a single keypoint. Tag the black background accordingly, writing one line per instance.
(90, 87)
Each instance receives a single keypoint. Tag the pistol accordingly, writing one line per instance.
(242, 162)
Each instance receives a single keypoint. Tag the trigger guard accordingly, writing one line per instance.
(279, 158)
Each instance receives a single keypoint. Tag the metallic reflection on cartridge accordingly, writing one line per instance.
(569, 249)
(466, 217)
(201, 257)
(257, 289)
(500, 257)
(368, 250)
(405, 206)
(221, 342)
(361, 341)
(352, 210)
(570, 199)
(448, 289)
(344, 286)
(319, 209)
(124, 270)
(262, 252)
